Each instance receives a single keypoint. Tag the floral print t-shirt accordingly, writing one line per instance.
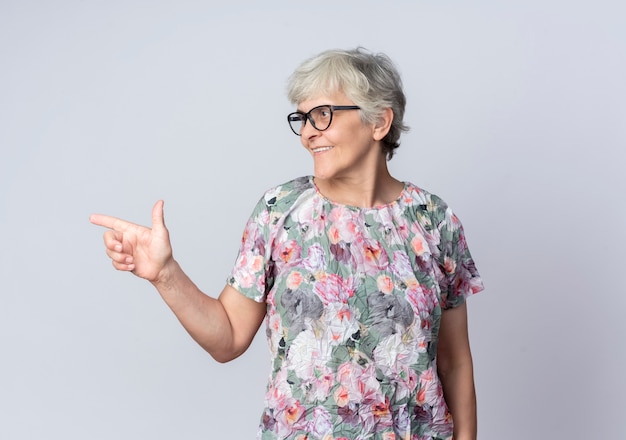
(354, 300)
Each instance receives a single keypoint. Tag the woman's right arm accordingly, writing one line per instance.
(224, 327)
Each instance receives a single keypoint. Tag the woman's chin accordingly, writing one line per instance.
(320, 172)
(323, 174)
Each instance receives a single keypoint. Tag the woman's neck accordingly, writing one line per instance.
(365, 191)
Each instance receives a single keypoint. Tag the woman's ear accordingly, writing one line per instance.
(383, 125)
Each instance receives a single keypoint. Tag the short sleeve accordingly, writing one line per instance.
(252, 272)
(459, 277)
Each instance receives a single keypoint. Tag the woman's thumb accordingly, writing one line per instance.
(158, 222)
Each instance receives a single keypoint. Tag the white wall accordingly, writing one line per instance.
(518, 116)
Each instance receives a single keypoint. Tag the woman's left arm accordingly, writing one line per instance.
(455, 369)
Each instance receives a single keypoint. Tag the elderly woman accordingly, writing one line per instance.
(360, 278)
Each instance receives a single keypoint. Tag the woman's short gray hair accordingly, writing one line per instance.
(370, 80)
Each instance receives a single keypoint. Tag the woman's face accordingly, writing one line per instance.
(348, 148)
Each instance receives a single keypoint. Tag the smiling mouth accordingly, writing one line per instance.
(321, 149)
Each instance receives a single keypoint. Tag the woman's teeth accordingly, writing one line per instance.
(320, 149)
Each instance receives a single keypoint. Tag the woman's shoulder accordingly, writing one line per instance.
(423, 198)
(430, 210)
(282, 196)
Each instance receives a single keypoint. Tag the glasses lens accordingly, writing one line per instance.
(296, 121)
(321, 117)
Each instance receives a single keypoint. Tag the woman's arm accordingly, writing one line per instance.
(224, 327)
(455, 369)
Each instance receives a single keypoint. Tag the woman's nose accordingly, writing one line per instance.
(308, 131)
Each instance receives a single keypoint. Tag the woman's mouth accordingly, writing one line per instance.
(320, 149)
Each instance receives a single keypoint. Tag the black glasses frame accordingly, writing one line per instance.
(307, 116)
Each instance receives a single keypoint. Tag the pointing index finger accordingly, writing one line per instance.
(107, 221)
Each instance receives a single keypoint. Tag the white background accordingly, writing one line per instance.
(518, 117)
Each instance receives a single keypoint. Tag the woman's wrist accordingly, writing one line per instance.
(166, 278)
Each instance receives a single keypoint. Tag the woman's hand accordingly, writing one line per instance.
(146, 252)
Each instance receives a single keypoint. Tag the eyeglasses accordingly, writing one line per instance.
(320, 117)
